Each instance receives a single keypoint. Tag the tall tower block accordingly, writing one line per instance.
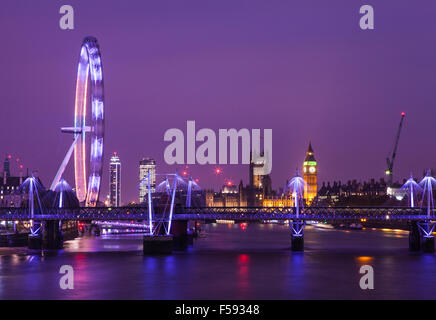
(115, 181)
(310, 172)
(146, 165)
(255, 179)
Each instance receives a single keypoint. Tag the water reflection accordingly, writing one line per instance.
(364, 259)
(231, 262)
(243, 263)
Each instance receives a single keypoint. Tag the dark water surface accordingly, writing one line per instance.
(231, 262)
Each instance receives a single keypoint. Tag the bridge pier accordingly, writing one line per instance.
(414, 237)
(181, 238)
(160, 244)
(421, 237)
(297, 235)
(177, 240)
(52, 235)
(35, 241)
(427, 244)
(427, 237)
(48, 237)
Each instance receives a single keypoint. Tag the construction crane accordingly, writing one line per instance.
(390, 161)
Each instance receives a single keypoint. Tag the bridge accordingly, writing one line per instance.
(166, 221)
(420, 220)
(331, 214)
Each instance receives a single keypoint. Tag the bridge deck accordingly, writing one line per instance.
(233, 213)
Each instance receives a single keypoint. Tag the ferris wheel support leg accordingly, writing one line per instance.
(64, 164)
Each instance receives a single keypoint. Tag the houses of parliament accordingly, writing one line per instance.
(259, 192)
(310, 176)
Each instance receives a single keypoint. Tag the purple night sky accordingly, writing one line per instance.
(302, 68)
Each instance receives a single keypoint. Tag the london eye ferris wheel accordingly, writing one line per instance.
(88, 129)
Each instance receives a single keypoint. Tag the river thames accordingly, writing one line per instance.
(232, 261)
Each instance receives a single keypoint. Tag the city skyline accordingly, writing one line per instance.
(274, 151)
(328, 83)
(185, 172)
(146, 163)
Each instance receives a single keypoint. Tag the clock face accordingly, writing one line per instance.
(312, 169)
(304, 169)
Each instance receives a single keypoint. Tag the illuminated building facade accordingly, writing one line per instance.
(230, 196)
(115, 181)
(146, 165)
(259, 181)
(9, 186)
(255, 179)
(337, 192)
(283, 201)
(310, 172)
(259, 187)
(251, 195)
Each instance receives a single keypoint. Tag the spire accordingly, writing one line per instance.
(310, 150)
(7, 166)
(310, 154)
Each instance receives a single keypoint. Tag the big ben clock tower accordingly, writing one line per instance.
(310, 172)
